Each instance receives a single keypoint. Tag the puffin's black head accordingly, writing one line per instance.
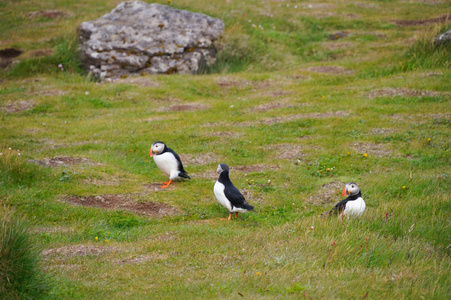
(351, 189)
(157, 148)
(222, 168)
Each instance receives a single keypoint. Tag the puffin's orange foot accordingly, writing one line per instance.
(228, 219)
(166, 184)
(236, 215)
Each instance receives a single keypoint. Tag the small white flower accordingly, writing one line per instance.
(86, 93)
(311, 227)
(231, 106)
(9, 148)
(18, 154)
(310, 6)
(1, 154)
(295, 6)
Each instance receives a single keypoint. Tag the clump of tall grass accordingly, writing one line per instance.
(237, 51)
(20, 276)
(65, 54)
(14, 169)
(425, 54)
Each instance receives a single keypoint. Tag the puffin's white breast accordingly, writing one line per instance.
(167, 163)
(355, 208)
(219, 193)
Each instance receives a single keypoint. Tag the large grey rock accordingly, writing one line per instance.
(443, 38)
(137, 37)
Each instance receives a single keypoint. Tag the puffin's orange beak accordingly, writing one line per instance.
(150, 152)
(344, 192)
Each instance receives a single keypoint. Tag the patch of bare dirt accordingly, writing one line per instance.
(63, 161)
(10, 53)
(123, 202)
(79, 250)
(336, 45)
(230, 83)
(329, 70)
(428, 2)
(49, 14)
(207, 174)
(287, 151)
(331, 114)
(53, 229)
(430, 74)
(167, 236)
(377, 150)
(399, 117)
(441, 19)
(381, 131)
(401, 92)
(329, 193)
(319, 6)
(142, 259)
(70, 267)
(144, 81)
(338, 35)
(161, 118)
(275, 94)
(271, 106)
(52, 144)
(252, 168)
(39, 53)
(18, 106)
(289, 118)
(212, 124)
(300, 77)
(228, 134)
(198, 159)
(184, 107)
(49, 91)
(103, 182)
(7, 56)
(439, 116)
(365, 5)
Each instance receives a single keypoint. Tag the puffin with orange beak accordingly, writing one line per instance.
(353, 205)
(228, 195)
(167, 161)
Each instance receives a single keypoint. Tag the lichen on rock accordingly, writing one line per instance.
(140, 38)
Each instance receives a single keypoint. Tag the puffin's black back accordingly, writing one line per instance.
(342, 204)
(183, 173)
(232, 193)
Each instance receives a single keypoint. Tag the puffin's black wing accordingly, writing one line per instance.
(183, 173)
(235, 197)
(340, 207)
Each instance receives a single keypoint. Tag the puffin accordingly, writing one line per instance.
(167, 161)
(353, 205)
(228, 195)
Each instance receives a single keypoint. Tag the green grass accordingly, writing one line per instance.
(285, 129)
(21, 277)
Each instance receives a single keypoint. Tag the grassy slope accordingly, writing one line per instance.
(273, 251)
